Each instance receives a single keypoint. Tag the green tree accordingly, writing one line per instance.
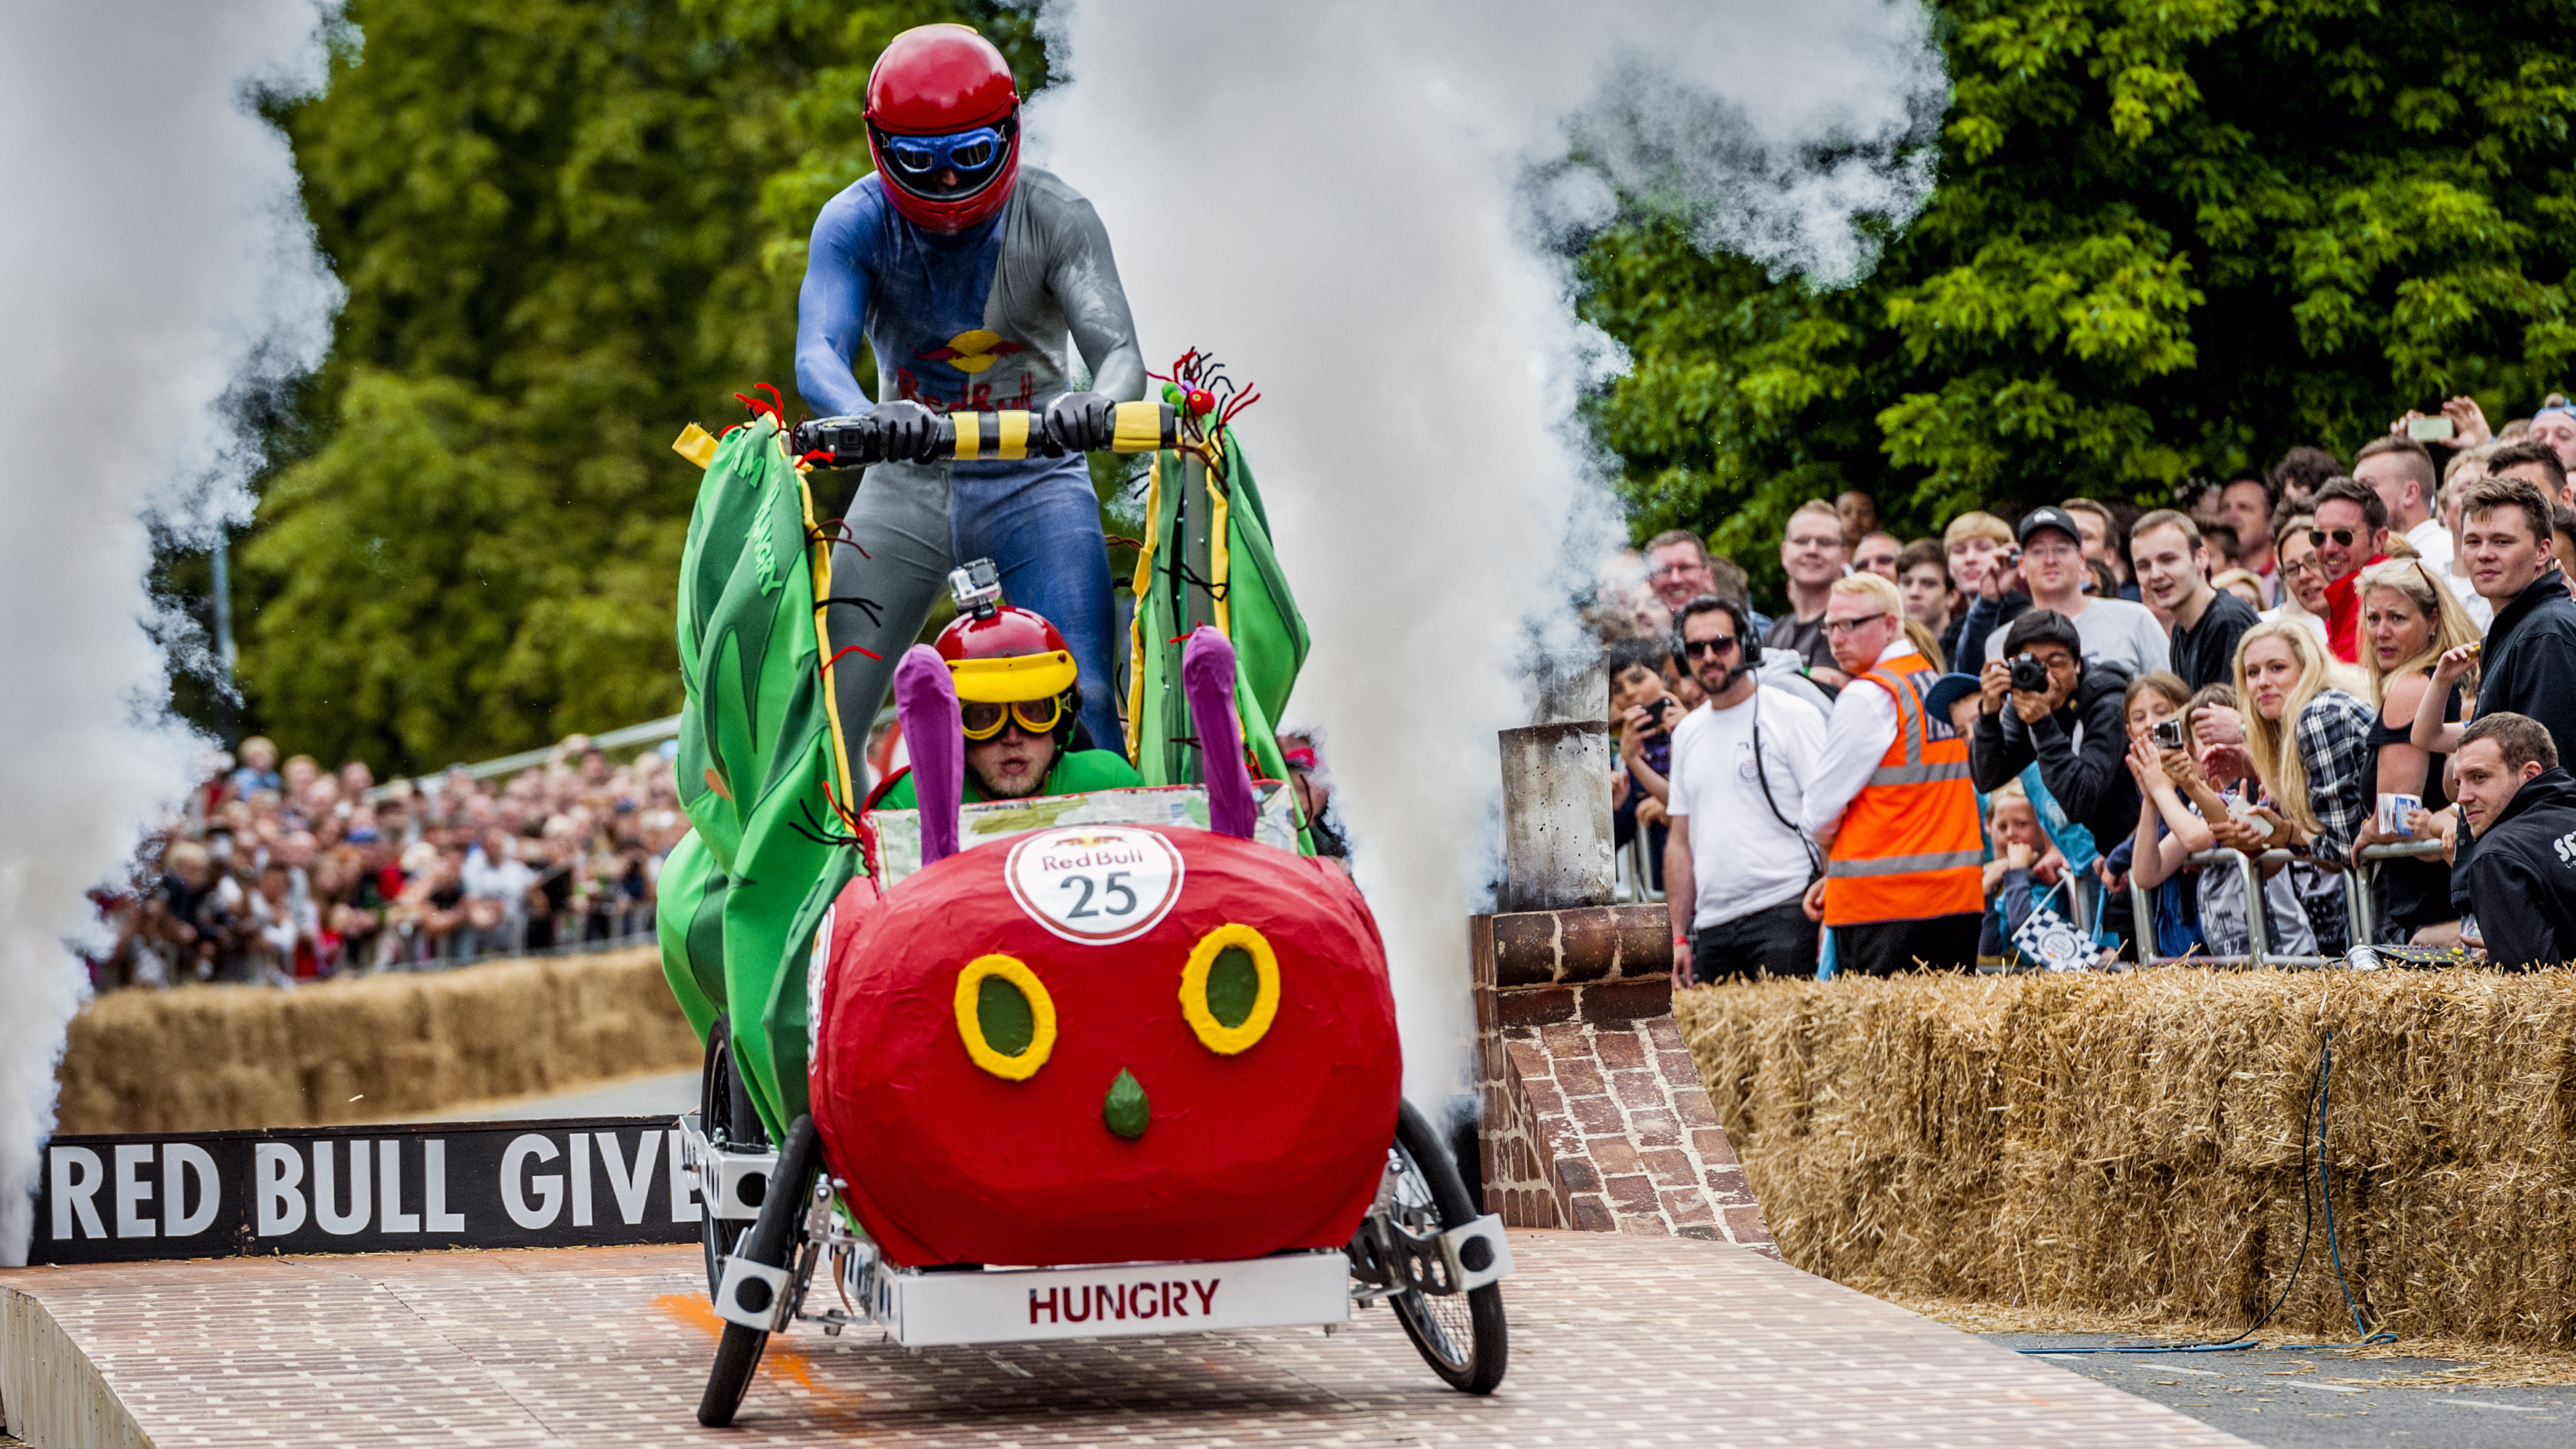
(2169, 241)
(567, 227)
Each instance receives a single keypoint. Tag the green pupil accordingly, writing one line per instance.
(1233, 985)
(1002, 1011)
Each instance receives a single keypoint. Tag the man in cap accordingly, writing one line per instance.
(2114, 631)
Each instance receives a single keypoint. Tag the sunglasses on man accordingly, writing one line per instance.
(1695, 648)
(2317, 537)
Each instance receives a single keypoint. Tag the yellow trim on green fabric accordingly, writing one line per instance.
(970, 1025)
(1143, 580)
(821, 549)
(1220, 558)
(1215, 1035)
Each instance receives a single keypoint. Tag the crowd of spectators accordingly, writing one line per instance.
(281, 872)
(2051, 702)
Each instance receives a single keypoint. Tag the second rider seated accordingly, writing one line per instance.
(1018, 701)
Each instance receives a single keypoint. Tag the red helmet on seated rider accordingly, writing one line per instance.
(1018, 700)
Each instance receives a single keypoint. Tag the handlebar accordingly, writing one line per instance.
(1011, 433)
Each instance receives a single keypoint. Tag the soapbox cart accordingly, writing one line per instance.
(1113, 1064)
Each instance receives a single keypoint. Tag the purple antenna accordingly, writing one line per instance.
(925, 700)
(1207, 678)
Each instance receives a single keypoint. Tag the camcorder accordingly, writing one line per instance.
(2029, 676)
(2167, 734)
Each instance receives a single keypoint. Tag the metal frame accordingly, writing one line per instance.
(2356, 894)
(2258, 945)
(1635, 882)
(722, 1175)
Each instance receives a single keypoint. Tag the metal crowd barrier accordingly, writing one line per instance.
(2258, 953)
(1638, 878)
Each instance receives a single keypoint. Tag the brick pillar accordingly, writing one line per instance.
(1594, 1115)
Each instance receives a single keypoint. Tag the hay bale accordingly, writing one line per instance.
(2132, 1143)
(199, 1058)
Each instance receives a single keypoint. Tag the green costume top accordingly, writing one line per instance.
(1075, 772)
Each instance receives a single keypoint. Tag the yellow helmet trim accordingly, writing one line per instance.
(1008, 681)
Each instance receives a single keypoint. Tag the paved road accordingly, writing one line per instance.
(1613, 1336)
(2291, 1400)
(669, 1093)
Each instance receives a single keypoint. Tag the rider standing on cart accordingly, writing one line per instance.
(965, 273)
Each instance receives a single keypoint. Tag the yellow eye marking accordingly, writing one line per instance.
(1214, 988)
(1005, 1017)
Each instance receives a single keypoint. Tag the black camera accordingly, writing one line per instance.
(1661, 712)
(2167, 734)
(2029, 676)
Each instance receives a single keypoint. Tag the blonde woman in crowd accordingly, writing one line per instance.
(2180, 792)
(2408, 620)
(2309, 743)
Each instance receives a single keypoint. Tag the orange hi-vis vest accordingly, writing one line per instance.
(1909, 845)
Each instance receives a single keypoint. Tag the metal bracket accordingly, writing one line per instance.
(754, 1295)
(1478, 1253)
(730, 1184)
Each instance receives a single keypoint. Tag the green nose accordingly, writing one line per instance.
(1124, 1109)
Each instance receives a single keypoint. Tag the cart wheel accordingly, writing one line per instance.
(772, 1243)
(1461, 1335)
(726, 1115)
(737, 1359)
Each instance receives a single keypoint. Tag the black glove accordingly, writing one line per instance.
(1081, 422)
(905, 431)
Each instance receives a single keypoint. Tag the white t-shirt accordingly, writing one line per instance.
(2432, 543)
(2114, 631)
(1744, 858)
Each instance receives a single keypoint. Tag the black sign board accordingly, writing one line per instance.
(569, 1182)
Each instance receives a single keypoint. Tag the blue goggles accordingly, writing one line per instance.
(919, 160)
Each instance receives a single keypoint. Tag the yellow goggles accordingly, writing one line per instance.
(1036, 716)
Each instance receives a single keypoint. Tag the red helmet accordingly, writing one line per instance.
(1012, 656)
(939, 81)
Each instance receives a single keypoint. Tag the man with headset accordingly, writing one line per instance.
(1736, 866)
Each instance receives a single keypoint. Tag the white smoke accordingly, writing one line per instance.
(154, 259)
(1348, 201)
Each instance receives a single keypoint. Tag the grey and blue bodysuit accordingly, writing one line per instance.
(979, 320)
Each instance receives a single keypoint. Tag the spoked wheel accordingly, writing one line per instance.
(772, 1243)
(1461, 1335)
(726, 1115)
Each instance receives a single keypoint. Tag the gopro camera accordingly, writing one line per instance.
(2029, 676)
(2167, 734)
(977, 588)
